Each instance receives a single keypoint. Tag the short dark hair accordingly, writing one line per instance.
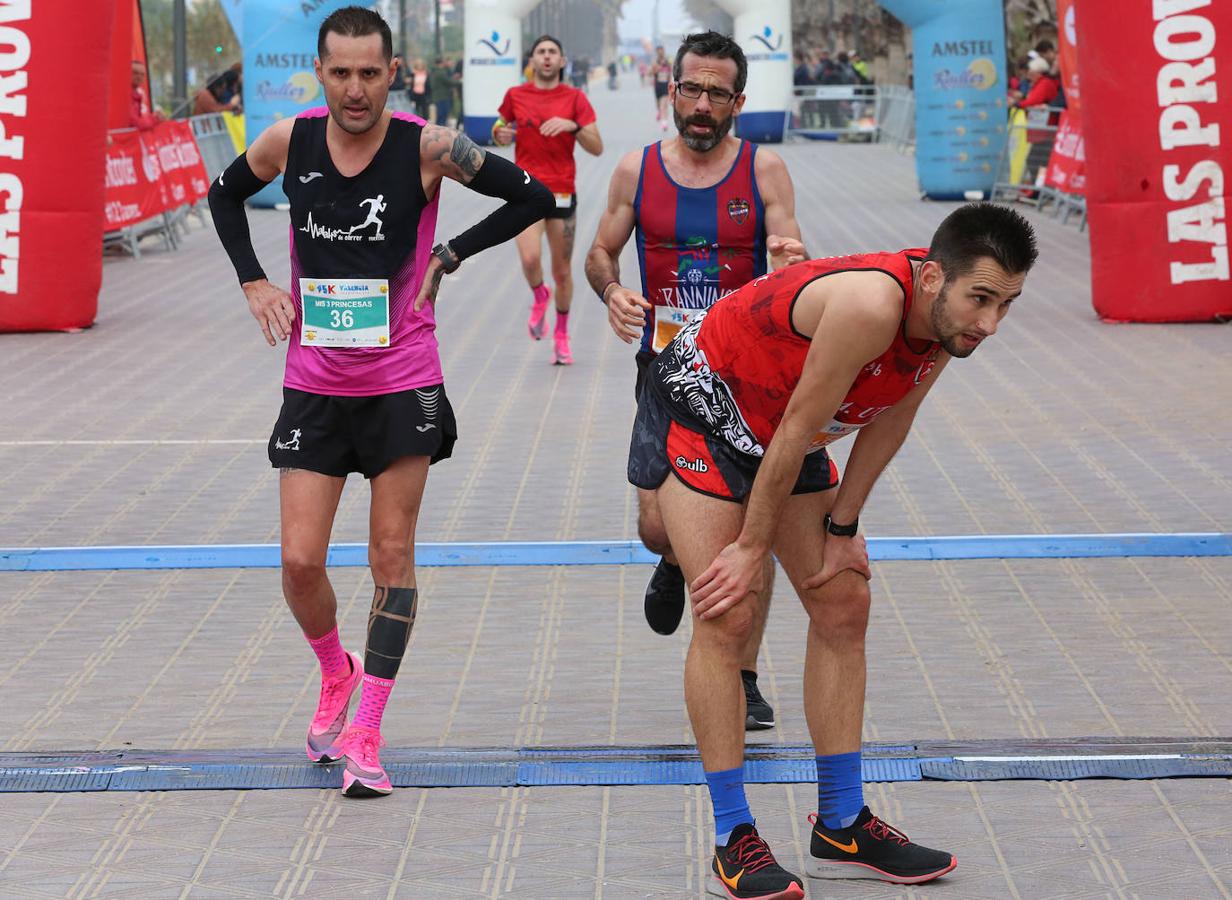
(1045, 47)
(713, 45)
(980, 230)
(355, 21)
(546, 37)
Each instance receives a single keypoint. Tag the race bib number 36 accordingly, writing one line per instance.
(344, 312)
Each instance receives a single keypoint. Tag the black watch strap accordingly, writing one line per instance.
(838, 530)
(449, 259)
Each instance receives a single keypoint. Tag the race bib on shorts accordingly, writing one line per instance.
(344, 312)
(668, 322)
(563, 201)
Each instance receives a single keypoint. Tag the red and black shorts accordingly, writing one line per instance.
(339, 435)
(662, 445)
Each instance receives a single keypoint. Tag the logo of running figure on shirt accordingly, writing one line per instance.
(376, 205)
(292, 444)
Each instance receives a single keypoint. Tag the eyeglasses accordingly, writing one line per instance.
(693, 91)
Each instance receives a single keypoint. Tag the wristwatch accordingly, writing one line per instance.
(449, 259)
(837, 530)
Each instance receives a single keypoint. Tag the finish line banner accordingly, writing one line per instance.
(1158, 133)
(52, 134)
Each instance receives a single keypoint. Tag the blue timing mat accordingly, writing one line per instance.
(608, 553)
(137, 770)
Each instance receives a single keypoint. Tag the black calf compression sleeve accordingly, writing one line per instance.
(227, 196)
(527, 201)
(389, 630)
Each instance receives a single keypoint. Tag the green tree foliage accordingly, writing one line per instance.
(207, 30)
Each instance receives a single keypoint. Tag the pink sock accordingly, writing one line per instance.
(541, 293)
(562, 322)
(372, 701)
(329, 651)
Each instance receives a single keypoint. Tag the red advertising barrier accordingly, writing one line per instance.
(1067, 163)
(52, 135)
(1159, 139)
(151, 172)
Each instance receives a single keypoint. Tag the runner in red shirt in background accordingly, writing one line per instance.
(545, 118)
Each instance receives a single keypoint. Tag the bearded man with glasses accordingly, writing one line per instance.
(707, 209)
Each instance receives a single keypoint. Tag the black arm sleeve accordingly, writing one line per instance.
(526, 202)
(227, 196)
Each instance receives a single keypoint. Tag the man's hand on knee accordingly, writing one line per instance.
(840, 554)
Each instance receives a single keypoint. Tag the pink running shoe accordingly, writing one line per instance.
(332, 708)
(364, 776)
(537, 323)
(563, 356)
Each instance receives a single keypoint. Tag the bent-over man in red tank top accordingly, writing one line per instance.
(738, 410)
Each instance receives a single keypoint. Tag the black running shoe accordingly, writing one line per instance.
(665, 598)
(758, 714)
(871, 848)
(745, 870)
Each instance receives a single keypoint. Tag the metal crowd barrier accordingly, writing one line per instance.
(1024, 163)
(896, 116)
(834, 112)
(214, 141)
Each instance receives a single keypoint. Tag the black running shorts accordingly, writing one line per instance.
(644, 358)
(564, 212)
(338, 435)
(661, 446)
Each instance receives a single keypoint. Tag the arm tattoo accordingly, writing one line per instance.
(389, 629)
(456, 155)
(466, 156)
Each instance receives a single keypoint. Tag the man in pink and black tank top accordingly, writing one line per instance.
(731, 435)
(704, 208)
(363, 390)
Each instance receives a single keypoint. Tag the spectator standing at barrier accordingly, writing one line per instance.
(440, 90)
(1044, 87)
(363, 390)
(860, 67)
(140, 115)
(223, 93)
(546, 118)
(417, 88)
(731, 435)
(701, 205)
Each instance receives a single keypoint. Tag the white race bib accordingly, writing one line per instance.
(668, 322)
(344, 312)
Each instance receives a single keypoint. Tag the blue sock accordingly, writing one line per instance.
(731, 807)
(840, 790)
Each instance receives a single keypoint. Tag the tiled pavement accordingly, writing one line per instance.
(1061, 424)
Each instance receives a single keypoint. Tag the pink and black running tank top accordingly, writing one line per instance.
(377, 224)
(696, 245)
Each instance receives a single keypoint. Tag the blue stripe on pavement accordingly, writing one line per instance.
(608, 553)
(990, 760)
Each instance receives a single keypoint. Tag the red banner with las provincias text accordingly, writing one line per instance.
(151, 172)
(1159, 157)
